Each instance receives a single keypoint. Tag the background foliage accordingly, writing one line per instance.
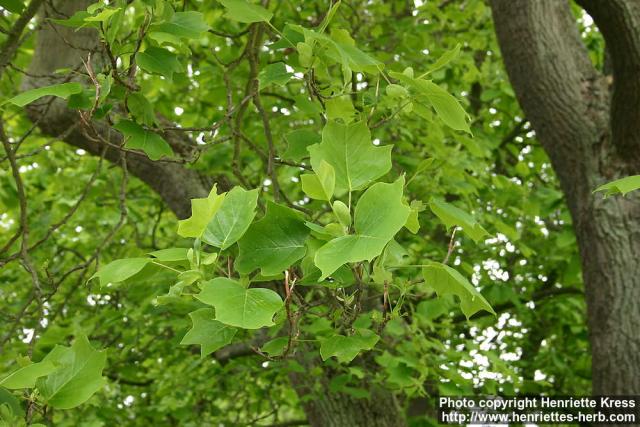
(254, 88)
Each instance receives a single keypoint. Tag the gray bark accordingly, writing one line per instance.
(583, 128)
(325, 408)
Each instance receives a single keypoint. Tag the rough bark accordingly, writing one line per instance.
(582, 128)
(325, 408)
(60, 47)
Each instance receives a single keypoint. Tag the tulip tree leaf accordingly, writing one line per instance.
(182, 25)
(348, 149)
(77, 377)
(238, 306)
(379, 215)
(451, 215)
(445, 280)
(63, 90)
(207, 332)
(232, 219)
(274, 74)
(297, 143)
(202, 211)
(274, 243)
(138, 138)
(446, 57)
(346, 348)
(622, 186)
(159, 61)
(171, 254)
(120, 270)
(243, 11)
(275, 347)
(13, 6)
(320, 186)
(26, 376)
(446, 105)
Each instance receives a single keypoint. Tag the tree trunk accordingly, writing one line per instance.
(325, 408)
(609, 240)
(570, 106)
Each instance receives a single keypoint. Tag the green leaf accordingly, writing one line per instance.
(320, 186)
(170, 254)
(275, 347)
(379, 215)
(348, 148)
(102, 16)
(13, 6)
(243, 11)
(202, 211)
(63, 90)
(238, 306)
(346, 348)
(396, 91)
(13, 408)
(233, 218)
(340, 107)
(342, 213)
(446, 57)
(297, 143)
(207, 332)
(26, 376)
(182, 25)
(141, 109)
(451, 215)
(77, 20)
(274, 243)
(445, 104)
(340, 47)
(138, 138)
(622, 186)
(78, 377)
(445, 280)
(120, 270)
(412, 224)
(159, 61)
(274, 73)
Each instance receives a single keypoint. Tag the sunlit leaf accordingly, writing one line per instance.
(274, 243)
(207, 332)
(77, 377)
(238, 306)
(451, 215)
(243, 11)
(63, 90)
(346, 348)
(348, 149)
(379, 215)
(622, 186)
(445, 280)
